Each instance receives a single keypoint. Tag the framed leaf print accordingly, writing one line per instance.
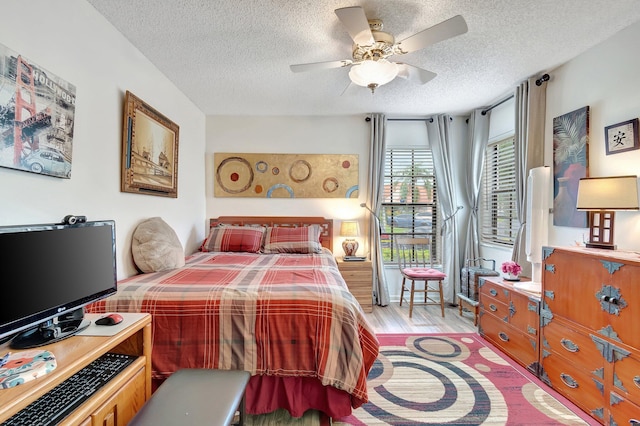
(570, 162)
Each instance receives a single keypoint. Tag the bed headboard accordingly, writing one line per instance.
(286, 221)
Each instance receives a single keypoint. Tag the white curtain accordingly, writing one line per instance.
(477, 145)
(439, 134)
(529, 143)
(377, 153)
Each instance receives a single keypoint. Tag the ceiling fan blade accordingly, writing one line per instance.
(446, 29)
(354, 19)
(320, 65)
(415, 74)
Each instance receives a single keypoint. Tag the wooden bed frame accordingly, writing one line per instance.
(285, 221)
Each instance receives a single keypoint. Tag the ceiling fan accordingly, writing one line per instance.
(370, 66)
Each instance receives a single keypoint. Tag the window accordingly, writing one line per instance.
(410, 201)
(499, 217)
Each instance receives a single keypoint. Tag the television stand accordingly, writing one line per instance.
(115, 403)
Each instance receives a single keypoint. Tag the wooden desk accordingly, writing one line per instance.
(115, 403)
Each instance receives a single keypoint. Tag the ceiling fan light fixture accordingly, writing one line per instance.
(371, 74)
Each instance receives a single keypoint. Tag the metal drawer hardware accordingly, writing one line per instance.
(493, 307)
(618, 383)
(493, 292)
(598, 372)
(503, 336)
(609, 351)
(611, 301)
(569, 345)
(611, 266)
(545, 315)
(568, 380)
(636, 381)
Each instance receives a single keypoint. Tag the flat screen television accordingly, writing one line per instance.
(49, 273)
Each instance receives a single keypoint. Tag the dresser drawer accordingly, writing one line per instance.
(627, 371)
(495, 291)
(359, 276)
(524, 314)
(522, 348)
(580, 387)
(577, 348)
(622, 411)
(492, 306)
(579, 288)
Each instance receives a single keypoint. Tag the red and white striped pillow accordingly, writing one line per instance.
(304, 239)
(234, 238)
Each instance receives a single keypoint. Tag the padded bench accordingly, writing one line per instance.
(194, 396)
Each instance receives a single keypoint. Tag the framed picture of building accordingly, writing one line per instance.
(149, 150)
(37, 115)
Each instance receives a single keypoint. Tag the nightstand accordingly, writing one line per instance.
(359, 278)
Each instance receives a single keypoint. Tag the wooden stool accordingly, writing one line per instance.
(470, 304)
(469, 285)
(196, 397)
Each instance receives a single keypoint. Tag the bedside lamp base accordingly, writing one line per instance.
(350, 247)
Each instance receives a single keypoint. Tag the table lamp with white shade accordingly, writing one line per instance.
(601, 197)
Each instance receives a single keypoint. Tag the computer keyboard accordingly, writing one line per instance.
(54, 406)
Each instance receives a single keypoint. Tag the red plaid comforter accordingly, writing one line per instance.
(277, 314)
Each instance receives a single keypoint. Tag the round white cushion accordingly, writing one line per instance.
(155, 246)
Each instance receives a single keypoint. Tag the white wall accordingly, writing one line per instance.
(294, 135)
(70, 39)
(605, 78)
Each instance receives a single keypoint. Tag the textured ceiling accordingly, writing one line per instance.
(232, 57)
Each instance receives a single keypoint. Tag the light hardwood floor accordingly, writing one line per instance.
(426, 319)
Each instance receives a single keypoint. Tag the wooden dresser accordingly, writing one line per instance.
(590, 330)
(114, 404)
(509, 318)
(359, 278)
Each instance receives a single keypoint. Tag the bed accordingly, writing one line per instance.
(283, 314)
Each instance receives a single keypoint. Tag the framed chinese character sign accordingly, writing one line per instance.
(149, 150)
(37, 114)
(621, 137)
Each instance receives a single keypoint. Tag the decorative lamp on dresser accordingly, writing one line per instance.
(590, 330)
(509, 318)
(359, 277)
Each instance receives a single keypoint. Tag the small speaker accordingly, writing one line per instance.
(72, 220)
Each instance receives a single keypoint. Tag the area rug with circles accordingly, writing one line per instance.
(456, 379)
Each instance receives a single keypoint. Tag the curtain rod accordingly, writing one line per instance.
(542, 79)
(430, 120)
(484, 112)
